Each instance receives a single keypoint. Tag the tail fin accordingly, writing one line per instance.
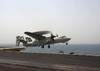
(20, 39)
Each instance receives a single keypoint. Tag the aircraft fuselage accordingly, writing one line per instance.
(48, 41)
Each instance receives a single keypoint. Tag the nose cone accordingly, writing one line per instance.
(69, 38)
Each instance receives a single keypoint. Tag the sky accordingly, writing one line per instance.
(77, 19)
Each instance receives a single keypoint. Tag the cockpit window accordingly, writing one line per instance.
(63, 36)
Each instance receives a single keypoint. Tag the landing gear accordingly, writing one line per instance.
(66, 43)
(48, 46)
(42, 46)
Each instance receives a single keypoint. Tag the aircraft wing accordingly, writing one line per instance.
(35, 35)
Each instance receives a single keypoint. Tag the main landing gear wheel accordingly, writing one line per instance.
(42, 46)
(48, 46)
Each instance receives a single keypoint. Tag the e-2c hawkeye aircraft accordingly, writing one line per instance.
(40, 39)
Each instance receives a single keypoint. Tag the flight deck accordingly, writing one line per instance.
(26, 61)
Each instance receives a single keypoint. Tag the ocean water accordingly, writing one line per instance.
(84, 49)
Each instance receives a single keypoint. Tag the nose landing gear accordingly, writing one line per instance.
(66, 43)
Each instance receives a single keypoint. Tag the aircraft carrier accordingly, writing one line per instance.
(13, 60)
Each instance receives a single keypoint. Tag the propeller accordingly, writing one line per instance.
(53, 36)
(56, 35)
